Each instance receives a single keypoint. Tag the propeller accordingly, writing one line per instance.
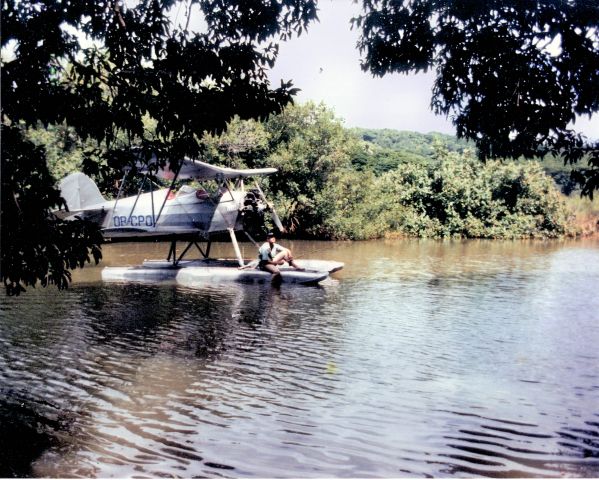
(275, 217)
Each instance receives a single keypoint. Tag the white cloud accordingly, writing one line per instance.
(325, 64)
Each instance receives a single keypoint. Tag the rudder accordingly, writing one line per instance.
(80, 191)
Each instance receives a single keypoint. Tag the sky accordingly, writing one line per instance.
(325, 64)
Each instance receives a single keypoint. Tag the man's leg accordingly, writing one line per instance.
(283, 257)
(274, 270)
(294, 264)
(280, 258)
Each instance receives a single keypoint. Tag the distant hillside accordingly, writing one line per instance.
(390, 148)
(412, 142)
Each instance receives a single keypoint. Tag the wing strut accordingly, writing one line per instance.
(138, 194)
(251, 239)
(170, 189)
(273, 213)
(121, 186)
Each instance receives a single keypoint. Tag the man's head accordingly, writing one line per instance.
(270, 237)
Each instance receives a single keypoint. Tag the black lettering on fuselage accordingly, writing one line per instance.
(133, 220)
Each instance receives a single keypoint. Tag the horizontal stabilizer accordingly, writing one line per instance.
(80, 191)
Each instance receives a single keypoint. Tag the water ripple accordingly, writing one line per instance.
(411, 365)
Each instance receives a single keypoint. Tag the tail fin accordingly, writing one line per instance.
(80, 191)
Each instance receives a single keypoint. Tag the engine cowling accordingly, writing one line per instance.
(252, 213)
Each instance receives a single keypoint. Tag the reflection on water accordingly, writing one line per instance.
(418, 359)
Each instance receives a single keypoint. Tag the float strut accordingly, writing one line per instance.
(236, 247)
(172, 252)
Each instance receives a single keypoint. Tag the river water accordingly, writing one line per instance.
(420, 358)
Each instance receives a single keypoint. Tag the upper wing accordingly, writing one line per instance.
(199, 170)
(204, 171)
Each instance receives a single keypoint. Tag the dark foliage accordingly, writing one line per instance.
(134, 64)
(27, 429)
(511, 74)
(37, 246)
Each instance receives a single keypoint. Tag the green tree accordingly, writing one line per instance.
(101, 68)
(511, 74)
(242, 144)
(320, 188)
(355, 207)
(310, 148)
(64, 152)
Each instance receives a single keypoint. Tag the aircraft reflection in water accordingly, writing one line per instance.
(194, 215)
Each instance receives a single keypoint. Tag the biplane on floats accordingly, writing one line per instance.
(221, 201)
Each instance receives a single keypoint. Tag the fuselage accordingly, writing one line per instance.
(162, 212)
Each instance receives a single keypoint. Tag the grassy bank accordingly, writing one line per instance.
(584, 214)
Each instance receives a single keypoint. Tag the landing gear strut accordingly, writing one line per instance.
(172, 252)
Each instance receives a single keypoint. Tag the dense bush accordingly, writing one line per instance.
(462, 197)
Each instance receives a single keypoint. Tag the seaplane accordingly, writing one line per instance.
(215, 202)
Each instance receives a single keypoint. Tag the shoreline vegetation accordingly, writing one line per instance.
(344, 183)
(584, 215)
